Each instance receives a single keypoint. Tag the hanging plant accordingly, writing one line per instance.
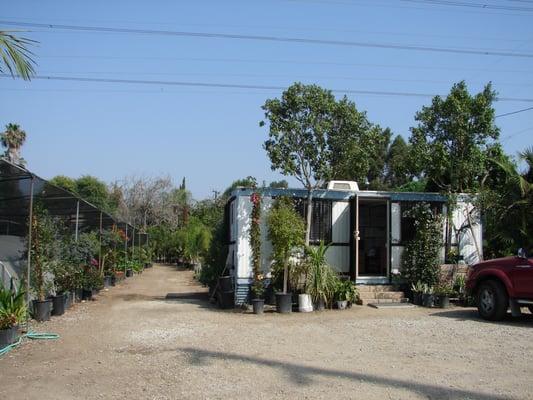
(255, 243)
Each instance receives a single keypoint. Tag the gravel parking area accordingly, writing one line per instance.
(134, 342)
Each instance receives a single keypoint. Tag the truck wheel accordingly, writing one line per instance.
(492, 300)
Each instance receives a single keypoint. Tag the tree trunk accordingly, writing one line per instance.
(309, 216)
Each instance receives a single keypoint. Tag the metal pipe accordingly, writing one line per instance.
(356, 234)
(100, 264)
(77, 220)
(28, 262)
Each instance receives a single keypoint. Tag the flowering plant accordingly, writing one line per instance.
(255, 243)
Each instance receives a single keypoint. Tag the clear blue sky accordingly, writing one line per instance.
(212, 136)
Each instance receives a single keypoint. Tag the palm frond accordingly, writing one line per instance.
(16, 56)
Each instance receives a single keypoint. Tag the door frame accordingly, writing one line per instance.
(355, 239)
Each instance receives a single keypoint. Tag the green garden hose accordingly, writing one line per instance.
(30, 335)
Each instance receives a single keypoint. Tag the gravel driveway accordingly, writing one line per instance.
(135, 343)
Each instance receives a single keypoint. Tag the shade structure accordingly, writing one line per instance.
(15, 194)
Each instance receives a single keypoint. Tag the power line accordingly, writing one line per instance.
(514, 112)
(484, 6)
(238, 86)
(390, 46)
(295, 62)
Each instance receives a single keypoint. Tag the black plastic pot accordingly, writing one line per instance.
(113, 280)
(443, 301)
(320, 305)
(284, 303)
(270, 296)
(428, 300)
(417, 298)
(129, 273)
(225, 283)
(226, 299)
(107, 281)
(87, 294)
(58, 304)
(42, 310)
(69, 299)
(8, 336)
(258, 305)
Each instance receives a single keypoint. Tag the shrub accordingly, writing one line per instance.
(420, 259)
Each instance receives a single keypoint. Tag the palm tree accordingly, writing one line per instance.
(15, 55)
(13, 138)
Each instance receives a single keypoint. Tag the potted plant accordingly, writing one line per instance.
(258, 291)
(286, 232)
(417, 290)
(428, 298)
(443, 294)
(92, 282)
(12, 313)
(345, 294)
(43, 247)
(322, 279)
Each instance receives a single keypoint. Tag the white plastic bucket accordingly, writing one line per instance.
(304, 303)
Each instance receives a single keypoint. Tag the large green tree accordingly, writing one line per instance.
(453, 138)
(397, 171)
(313, 137)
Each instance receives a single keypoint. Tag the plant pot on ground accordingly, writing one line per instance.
(443, 294)
(58, 304)
(12, 313)
(129, 273)
(417, 290)
(258, 306)
(284, 303)
(345, 293)
(305, 304)
(428, 299)
(108, 281)
(42, 310)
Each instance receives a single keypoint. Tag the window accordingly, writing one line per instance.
(407, 224)
(321, 221)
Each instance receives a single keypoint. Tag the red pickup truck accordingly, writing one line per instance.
(502, 283)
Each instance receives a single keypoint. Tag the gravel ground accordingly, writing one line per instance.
(134, 343)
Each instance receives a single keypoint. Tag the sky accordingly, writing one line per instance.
(212, 135)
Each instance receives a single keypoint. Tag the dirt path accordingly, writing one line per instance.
(133, 343)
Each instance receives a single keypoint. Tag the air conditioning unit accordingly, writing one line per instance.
(349, 186)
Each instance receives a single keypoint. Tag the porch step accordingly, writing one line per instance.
(365, 302)
(376, 288)
(381, 295)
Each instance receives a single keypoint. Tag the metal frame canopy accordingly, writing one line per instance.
(18, 187)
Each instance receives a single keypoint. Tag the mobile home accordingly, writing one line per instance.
(366, 230)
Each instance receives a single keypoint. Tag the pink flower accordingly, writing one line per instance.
(255, 198)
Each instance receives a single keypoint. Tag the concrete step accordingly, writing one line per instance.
(381, 295)
(375, 288)
(383, 301)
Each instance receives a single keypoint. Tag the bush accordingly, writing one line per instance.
(421, 257)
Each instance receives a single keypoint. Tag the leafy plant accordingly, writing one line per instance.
(417, 287)
(286, 231)
(346, 291)
(444, 290)
(421, 257)
(322, 279)
(12, 306)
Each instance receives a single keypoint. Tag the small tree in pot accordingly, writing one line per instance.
(322, 279)
(255, 243)
(43, 250)
(286, 232)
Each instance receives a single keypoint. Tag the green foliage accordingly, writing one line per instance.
(282, 184)
(414, 186)
(398, 172)
(420, 259)
(44, 250)
(91, 278)
(248, 182)
(507, 200)
(322, 281)
(12, 306)
(94, 191)
(15, 55)
(255, 244)
(286, 230)
(346, 291)
(12, 139)
(64, 182)
(453, 138)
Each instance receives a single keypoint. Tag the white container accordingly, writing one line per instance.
(304, 303)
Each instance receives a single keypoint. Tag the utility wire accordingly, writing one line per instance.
(237, 86)
(484, 6)
(269, 39)
(514, 112)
